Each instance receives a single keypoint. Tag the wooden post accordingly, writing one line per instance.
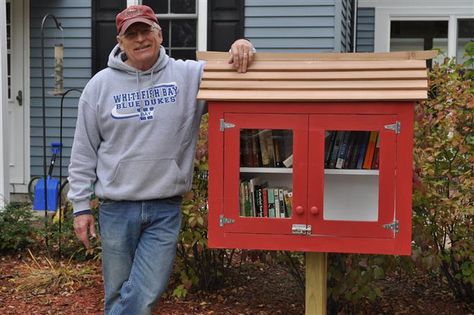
(316, 285)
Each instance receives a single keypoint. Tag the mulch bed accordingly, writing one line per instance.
(253, 289)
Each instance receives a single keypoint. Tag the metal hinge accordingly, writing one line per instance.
(395, 127)
(395, 226)
(301, 229)
(224, 125)
(223, 220)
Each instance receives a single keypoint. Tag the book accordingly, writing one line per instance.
(271, 202)
(335, 149)
(256, 157)
(375, 160)
(247, 200)
(330, 136)
(362, 149)
(350, 149)
(288, 196)
(270, 147)
(242, 199)
(281, 201)
(262, 135)
(354, 155)
(369, 154)
(278, 146)
(246, 148)
(341, 155)
(276, 202)
(288, 162)
(259, 201)
(265, 201)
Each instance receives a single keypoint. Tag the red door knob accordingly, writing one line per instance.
(299, 210)
(314, 210)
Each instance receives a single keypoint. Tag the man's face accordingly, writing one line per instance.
(141, 43)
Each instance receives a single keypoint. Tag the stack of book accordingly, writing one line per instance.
(352, 149)
(264, 147)
(257, 199)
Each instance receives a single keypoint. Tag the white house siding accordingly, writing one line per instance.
(75, 17)
(291, 26)
(365, 29)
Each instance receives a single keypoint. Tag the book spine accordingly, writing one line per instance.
(259, 201)
(341, 155)
(242, 199)
(350, 149)
(375, 160)
(271, 202)
(270, 148)
(262, 135)
(330, 136)
(247, 200)
(363, 149)
(281, 200)
(369, 155)
(356, 149)
(265, 201)
(335, 149)
(277, 203)
(288, 195)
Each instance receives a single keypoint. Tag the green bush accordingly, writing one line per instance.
(17, 231)
(443, 200)
(197, 265)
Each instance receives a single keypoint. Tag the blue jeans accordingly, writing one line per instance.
(138, 249)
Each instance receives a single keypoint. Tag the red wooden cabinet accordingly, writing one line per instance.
(344, 209)
(287, 163)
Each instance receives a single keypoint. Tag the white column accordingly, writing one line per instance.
(4, 168)
(452, 35)
(202, 25)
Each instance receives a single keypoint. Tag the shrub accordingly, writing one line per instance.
(16, 227)
(444, 195)
(198, 265)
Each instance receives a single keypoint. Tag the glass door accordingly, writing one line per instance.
(265, 175)
(352, 180)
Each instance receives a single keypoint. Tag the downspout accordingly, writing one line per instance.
(354, 35)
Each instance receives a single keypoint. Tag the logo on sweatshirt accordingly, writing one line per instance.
(142, 104)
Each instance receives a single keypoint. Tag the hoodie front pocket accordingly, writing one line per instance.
(150, 178)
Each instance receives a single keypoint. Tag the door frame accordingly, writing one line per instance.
(23, 17)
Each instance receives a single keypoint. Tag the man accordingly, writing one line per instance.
(133, 147)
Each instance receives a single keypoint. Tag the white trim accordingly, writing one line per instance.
(23, 188)
(4, 167)
(414, 3)
(133, 2)
(451, 13)
(202, 26)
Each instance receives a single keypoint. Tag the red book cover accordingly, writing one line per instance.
(265, 202)
(369, 154)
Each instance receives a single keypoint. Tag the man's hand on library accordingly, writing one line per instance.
(84, 225)
(241, 55)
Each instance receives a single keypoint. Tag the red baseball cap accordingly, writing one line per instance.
(134, 14)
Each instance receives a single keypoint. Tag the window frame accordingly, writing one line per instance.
(200, 16)
(416, 10)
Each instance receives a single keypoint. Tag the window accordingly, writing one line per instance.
(419, 35)
(178, 20)
(465, 35)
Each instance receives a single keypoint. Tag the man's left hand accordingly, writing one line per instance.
(241, 55)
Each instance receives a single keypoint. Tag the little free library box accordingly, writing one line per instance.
(313, 152)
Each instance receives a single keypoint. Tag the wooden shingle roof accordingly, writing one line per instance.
(317, 77)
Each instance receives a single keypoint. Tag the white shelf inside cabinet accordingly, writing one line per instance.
(350, 172)
(266, 170)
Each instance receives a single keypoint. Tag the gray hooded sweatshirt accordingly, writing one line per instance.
(136, 132)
